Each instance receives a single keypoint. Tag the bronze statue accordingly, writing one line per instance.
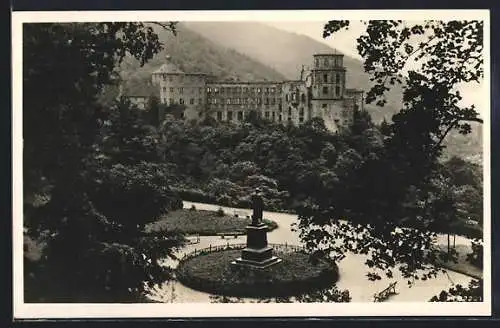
(258, 205)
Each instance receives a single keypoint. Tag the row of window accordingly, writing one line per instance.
(267, 115)
(335, 78)
(192, 101)
(223, 90)
(335, 94)
(181, 90)
(241, 101)
(329, 62)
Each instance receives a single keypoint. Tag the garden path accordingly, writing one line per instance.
(352, 268)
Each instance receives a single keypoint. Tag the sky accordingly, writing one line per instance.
(345, 41)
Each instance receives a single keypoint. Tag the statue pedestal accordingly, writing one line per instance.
(257, 254)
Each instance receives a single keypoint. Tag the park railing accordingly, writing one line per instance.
(277, 248)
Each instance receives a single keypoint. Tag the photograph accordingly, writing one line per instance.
(239, 163)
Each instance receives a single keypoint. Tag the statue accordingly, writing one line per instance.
(258, 205)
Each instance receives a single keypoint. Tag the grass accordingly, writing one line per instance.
(462, 266)
(205, 223)
(295, 275)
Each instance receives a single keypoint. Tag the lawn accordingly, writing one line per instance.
(205, 223)
(295, 275)
(462, 266)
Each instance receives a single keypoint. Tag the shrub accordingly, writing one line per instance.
(476, 256)
(193, 208)
(220, 212)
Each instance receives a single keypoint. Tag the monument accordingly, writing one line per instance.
(257, 253)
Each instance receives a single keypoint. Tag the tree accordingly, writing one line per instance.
(93, 252)
(395, 179)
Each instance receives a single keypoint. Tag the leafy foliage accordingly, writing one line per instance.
(396, 172)
(459, 293)
(82, 158)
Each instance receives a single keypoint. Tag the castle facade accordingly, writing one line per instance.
(319, 92)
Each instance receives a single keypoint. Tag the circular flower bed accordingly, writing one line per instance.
(212, 272)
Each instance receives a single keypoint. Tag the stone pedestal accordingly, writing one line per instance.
(257, 254)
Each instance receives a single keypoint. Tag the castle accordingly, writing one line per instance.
(319, 92)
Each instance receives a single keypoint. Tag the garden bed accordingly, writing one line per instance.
(204, 223)
(212, 272)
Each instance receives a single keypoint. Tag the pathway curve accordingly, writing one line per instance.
(352, 268)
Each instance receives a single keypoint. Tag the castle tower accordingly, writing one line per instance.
(328, 80)
(186, 90)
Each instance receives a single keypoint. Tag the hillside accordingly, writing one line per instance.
(191, 52)
(286, 52)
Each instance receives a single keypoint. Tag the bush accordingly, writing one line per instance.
(220, 212)
(476, 256)
(193, 208)
(132, 195)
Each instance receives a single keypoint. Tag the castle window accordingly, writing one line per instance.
(191, 101)
(273, 90)
(267, 115)
(209, 90)
(267, 90)
(228, 101)
(286, 97)
(229, 116)
(289, 110)
(274, 116)
(267, 101)
(238, 90)
(164, 77)
(181, 101)
(326, 62)
(294, 96)
(325, 78)
(301, 111)
(337, 91)
(324, 105)
(171, 101)
(252, 90)
(301, 119)
(181, 90)
(216, 90)
(171, 89)
(258, 90)
(325, 90)
(219, 116)
(273, 101)
(259, 101)
(337, 78)
(170, 78)
(316, 63)
(240, 116)
(303, 98)
(215, 100)
(164, 89)
(245, 89)
(280, 118)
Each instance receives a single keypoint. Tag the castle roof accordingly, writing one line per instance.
(168, 68)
